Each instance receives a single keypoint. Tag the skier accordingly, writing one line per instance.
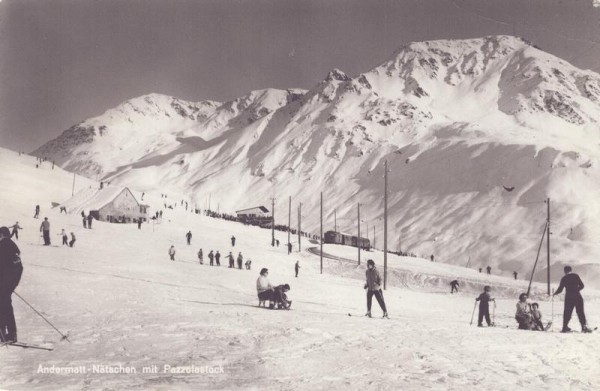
(139, 223)
(454, 286)
(240, 259)
(489, 270)
(84, 219)
(15, 230)
(515, 275)
(232, 241)
(297, 268)
(277, 242)
(172, 252)
(37, 212)
(90, 218)
(573, 299)
(523, 315)
(11, 270)
(218, 258)
(484, 306)
(231, 260)
(280, 298)
(45, 229)
(432, 258)
(65, 237)
(248, 264)
(289, 246)
(372, 286)
(211, 257)
(536, 318)
(480, 270)
(200, 257)
(264, 289)
(188, 236)
(73, 239)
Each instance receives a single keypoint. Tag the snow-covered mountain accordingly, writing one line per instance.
(477, 134)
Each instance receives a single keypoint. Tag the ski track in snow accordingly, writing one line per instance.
(123, 302)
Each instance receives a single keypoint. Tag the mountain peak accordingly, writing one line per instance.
(336, 74)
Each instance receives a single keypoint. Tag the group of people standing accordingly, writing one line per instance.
(529, 316)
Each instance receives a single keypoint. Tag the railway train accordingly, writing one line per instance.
(346, 239)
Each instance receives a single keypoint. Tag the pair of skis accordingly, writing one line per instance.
(27, 346)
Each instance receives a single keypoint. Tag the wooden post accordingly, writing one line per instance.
(548, 246)
(358, 237)
(73, 190)
(321, 239)
(289, 218)
(299, 227)
(272, 222)
(385, 249)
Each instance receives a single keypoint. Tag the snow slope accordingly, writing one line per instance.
(477, 134)
(124, 303)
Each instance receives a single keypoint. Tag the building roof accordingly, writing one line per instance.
(94, 199)
(262, 209)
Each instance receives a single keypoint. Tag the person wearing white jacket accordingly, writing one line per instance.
(264, 288)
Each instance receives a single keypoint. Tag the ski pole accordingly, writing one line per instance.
(42, 316)
(473, 314)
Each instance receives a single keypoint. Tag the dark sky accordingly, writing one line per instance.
(62, 61)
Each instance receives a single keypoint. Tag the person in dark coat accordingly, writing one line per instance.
(373, 287)
(573, 299)
(289, 246)
(139, 223)
(11, 271)
(84, 219)
(37, 212)
(240, 260)
(454, 286)
(90, 218)
(188, 236)
(211, 257)
(489, 270)
(45, 229)
(279, 297)
(515, 275)
(484, 306)
(297, 268)
(218, 258)
(233, 241)
(231, 260)
(73, 240)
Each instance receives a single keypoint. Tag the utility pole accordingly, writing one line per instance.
(299, 226)
(289, 218)
(272, 222)
(548, 245)
(335, 220)
(385, 250)
(73, 191)
(321, 238)
(358, 238)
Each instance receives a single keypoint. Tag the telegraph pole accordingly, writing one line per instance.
(548, 245)
(289, 218)
(299, 227)
(321, 239)
(385, 226)
(272, 222)
(358, 238)
(73, 191)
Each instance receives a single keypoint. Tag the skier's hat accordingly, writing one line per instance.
(4, 231)
(371, 262)
(263, 271)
